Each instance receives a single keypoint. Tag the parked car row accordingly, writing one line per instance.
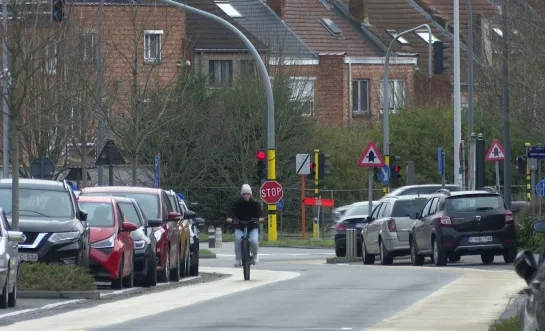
(120, 234)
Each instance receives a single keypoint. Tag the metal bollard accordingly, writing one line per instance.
(211, 237)
(351, 243)
(219, 238)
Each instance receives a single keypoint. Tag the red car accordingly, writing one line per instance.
(156, 206)
(112, 247)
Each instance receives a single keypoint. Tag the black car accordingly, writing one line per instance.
(55, 228)
(453, 224)
(533, 272)
(145, 241)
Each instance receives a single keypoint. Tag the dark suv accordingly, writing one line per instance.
(453, 224)
(55, 228)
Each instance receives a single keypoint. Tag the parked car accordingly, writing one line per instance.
(54, 226)
(112, 247)
(533, 312)
(155, 205)
(194, 241)
(184, 226)
(9, 261)
(424, 189)
(453, 224)
(145, 241)
(386, 231)
(352, 219)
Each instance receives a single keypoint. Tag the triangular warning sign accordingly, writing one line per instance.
(495, 152)
(371, 157)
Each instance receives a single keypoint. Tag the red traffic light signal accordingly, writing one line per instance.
(312, 166)
(397, 168)
(261, 155)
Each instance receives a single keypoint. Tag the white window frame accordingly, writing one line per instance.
(88, 53)
(424, 35)
(147, 50)
(400, 40)
(303, 93)
(221, 83)
(396, 95)
(51, 61)
(356, 109)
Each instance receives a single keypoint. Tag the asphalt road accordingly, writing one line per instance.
(291, 289)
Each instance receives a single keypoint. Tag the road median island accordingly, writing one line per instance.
(206, 254)
(335, 260)
(300, 243)
(52, 281)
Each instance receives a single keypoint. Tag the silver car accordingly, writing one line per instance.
(9, 261)
(386, 231)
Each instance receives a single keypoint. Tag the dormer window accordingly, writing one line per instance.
(400, 40)
(425, 35)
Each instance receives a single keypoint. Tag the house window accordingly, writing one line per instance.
(302, 92)
(88, 50)
(360, 96)
(51, 59)
(396, 94)
(152, 46)
(247, 67)
(220, 72)
(425, 35)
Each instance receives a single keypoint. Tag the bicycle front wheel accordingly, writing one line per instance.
(246, 258)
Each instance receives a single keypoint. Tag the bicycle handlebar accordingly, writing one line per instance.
(251, 220)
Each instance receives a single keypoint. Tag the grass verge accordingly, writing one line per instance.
(206, 253)
(51, 277)
(326, 243)
(510, 324)
(225, 237)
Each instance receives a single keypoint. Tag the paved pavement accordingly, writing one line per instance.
(292, 289)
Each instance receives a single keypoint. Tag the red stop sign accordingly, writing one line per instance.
(271, 192)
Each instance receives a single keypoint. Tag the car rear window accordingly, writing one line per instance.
(474, 202)
(149, 203)
(99, 215)
(362, 209)
(404, 208)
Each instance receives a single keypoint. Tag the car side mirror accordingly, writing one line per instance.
(525, 266)
(368, 219)
(539, 226)
(189, 214)
(413, 215)
(82, 214)
(174, 216)
(200, 221)
(154, 222)
(16, 236)
(128, 227)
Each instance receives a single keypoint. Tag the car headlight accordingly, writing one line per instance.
(106, 243)
(138, 244)
(63, 236)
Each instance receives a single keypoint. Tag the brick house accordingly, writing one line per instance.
(339, 66)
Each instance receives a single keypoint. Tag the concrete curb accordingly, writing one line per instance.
(207, 256)
(91, 295)
(298, 247)
(335, 260)
(514, 307)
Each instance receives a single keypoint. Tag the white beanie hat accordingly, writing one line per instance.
(246, 189)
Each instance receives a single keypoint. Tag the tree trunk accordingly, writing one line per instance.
(14, 139)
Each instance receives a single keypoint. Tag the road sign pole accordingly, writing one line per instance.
(497, 167)
(533, 184)
(370, 190)
(542, 186)
(443, 176)
(303, 209)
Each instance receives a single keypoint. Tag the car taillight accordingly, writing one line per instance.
(445, 221)
(392, 225)
(508, 217)
(341, 226)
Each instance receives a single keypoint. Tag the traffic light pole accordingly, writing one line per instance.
(316, 224)
(271, 143)
(386, 88)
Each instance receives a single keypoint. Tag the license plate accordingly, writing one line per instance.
(32, 257)
(359, 225)
(480, 239)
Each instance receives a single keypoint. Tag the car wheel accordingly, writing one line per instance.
(194, 268)
(128, 281)
(454, 259)
(416, 260)
(386, 257)
(4, 298)
(175, 272)
(117, 284)
(340, 252)
(439, 257)
(166, 270)
(151, 275)
(487, 258)
(12, 297)
(510, 255)
(365, 256)
(186, 259)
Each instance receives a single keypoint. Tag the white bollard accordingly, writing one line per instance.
(219, 238)
(211, 237)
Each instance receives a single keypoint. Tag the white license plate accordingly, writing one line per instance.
(32, 257)
(359, 225)
(480, 239)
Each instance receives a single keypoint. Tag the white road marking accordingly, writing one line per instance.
(114, 312)
(329, 329)
(281, 254)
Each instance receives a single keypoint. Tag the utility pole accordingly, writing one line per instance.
(457, 96)
(5, 89)
(506, 127)
(100, 138)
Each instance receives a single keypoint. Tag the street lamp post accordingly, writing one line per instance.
(5, 89)
(386, 89)
(271, 144)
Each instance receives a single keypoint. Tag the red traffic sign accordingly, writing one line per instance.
(495, 152)
(319, 202)
(271, 192)
(371, 157)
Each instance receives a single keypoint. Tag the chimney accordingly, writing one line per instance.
(278, 6)
(358, 11)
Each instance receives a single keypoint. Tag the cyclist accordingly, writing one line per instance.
(244, 209)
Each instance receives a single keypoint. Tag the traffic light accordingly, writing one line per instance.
(312, 174)
(261, 156)
(323, 165)
(395, 168)
(439, 57)
(521, 164)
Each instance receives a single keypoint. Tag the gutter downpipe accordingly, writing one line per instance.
(350, 105)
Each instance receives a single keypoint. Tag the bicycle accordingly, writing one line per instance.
(247, 257)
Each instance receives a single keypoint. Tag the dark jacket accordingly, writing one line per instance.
(245, 210)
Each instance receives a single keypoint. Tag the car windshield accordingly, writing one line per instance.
(473, 203)
(149, 203)
(130, 213)
(404, 208)
(38, 203)
(362, 209)
(99, 214)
